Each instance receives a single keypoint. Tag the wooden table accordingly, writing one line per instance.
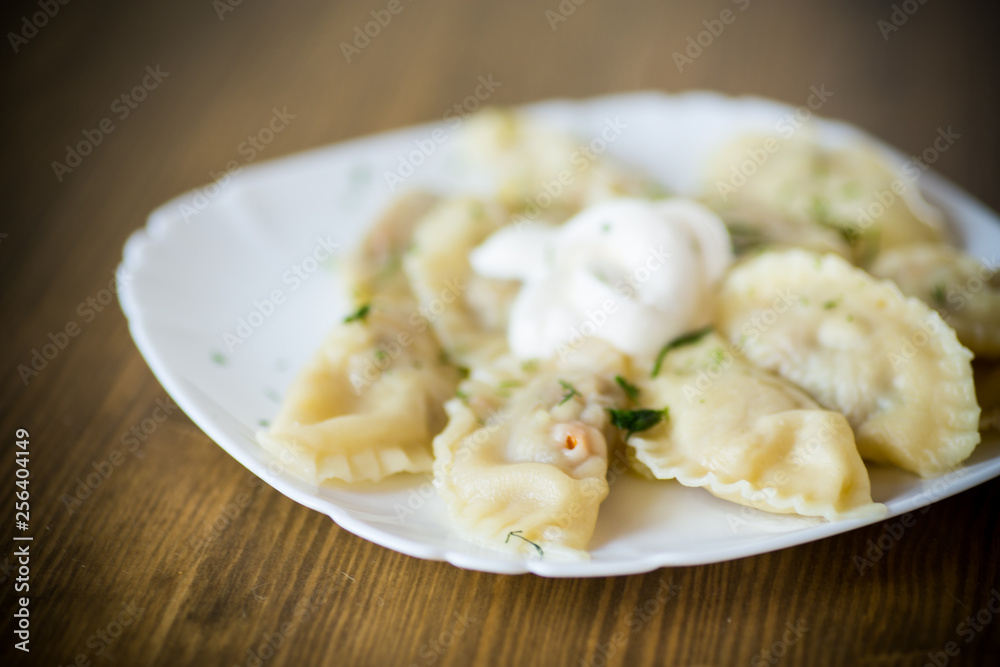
(155, 566)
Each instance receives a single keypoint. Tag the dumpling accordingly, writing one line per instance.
(522, 462)
(853, 190)
(468, 312)
(889, 363)
(750, 437)
(370, 401)
(962, 289)
(752, 229)
(545, 174)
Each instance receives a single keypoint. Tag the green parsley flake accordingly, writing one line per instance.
(680, 341)
(634, 421)
(359, 315)
(937, 293)
(630, 389)
(570, 391)
(517, 533)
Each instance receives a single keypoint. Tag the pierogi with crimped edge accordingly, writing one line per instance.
(962, 288)
(889, 363)
(477, 350)
(369, 402)
(750, 437)
(853, 190)
(522, 462)
(467, 311)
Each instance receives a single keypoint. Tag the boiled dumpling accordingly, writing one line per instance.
(852, 189)
(889, 363)
(369, 402)
(750, 437)
(467, 311)
(522, 462)
(962, 289)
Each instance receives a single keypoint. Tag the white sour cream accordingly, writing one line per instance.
(632, 272)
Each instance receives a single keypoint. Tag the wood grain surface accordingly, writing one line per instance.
(181, 557)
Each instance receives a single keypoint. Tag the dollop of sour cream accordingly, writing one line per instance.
(634, 273)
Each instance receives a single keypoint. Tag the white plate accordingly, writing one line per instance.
(205, 257)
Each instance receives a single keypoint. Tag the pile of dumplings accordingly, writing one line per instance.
(836, 340)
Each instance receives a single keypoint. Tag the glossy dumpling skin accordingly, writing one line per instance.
(750, 437)
(368, 403)
(524, 156)
(468, 312)
(522, 467)
(853, 189)
(858, 346)
(964, 290)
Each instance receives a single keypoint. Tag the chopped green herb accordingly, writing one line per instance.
(680, 341)
(508, 384)
(530, 366)
(358, 315)
(570, 391)
(655, 191)
(718, 356)
(380, 355)
(263, 422)
(517, 533)
(832, 303)
(461, 394)
(634, 421)
(606, 227)
(219, 358)
(850, 318)
(463, 371)
(937, 293)
(630, 389)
